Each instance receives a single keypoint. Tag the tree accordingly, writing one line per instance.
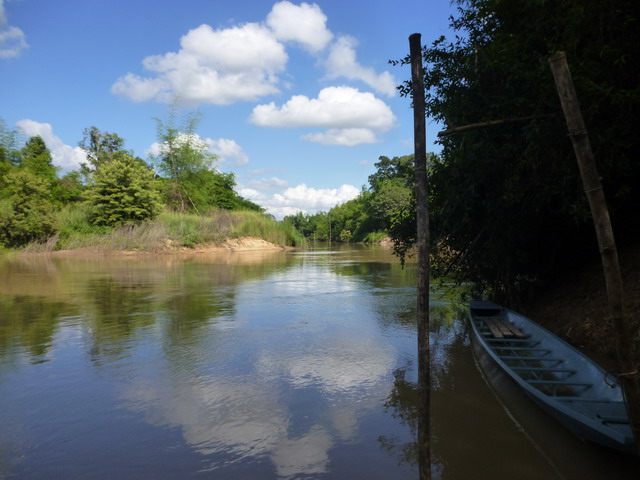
(507, 198)
(183, 159)
(28, 214)
(191, 180)
(36, 158)
(123, 191)
(396, 167)
(9, 154)
(100, 148)
(393, 196)
(70, 188)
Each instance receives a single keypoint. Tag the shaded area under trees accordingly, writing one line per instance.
(507, 199)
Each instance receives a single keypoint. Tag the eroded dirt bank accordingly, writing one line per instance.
(242, 244)
(575, 307)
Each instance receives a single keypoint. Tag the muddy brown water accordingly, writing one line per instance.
(255, 365)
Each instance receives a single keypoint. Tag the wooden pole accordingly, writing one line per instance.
(629, 376)
(422, 243)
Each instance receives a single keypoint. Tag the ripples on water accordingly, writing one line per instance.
(269, 365)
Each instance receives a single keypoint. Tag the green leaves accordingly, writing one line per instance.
(506, 199)
(191, 182)
(123, 191)
(28, 214)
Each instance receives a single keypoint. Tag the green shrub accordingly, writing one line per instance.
(28, 214)
(123, 191)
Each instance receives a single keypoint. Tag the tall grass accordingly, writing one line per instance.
(169, 229)
(190, 230)
(254, 224)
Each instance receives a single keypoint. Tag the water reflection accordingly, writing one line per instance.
(279, 365)
(30, 323)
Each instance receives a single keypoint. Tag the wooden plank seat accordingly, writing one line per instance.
(512, 341)
(501, 328)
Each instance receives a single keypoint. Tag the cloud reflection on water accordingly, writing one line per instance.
(230, 416)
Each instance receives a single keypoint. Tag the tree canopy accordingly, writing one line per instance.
(100, 147)
(27, 214)
(123, 191)
(508, 198)
(191, 181)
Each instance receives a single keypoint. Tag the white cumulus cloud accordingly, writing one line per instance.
(346, 136)
(12, 39)
(352, 116)
(304, 23)
(64, 156)
(228, 149)
(225, 149)
(193, 139)
(244, 62)
(301, 198)
(266, 184)
(212, 66)
(342, 62)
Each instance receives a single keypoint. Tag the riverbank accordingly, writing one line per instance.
(170, 232)
(230, 245)
(575, 307)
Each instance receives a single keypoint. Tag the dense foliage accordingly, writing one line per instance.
(111, 189)
(508, 198)
(123, 191)
(27, 214)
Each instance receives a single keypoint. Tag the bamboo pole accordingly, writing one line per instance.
(629, 375)
(422, 243)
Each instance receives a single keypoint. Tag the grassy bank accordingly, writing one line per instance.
(168, 230)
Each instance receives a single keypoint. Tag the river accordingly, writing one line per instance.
(253, 365)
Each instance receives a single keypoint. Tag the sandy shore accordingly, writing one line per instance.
(231, 245)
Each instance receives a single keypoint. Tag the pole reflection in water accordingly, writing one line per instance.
(280, 365)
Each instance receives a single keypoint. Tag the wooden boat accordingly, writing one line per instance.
(560, 379)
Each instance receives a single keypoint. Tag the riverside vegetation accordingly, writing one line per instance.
(116, 201)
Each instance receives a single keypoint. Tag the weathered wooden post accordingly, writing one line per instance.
(629, 375)
(422, 243)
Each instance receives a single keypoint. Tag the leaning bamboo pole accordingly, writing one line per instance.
(422, 244)
(629, 375)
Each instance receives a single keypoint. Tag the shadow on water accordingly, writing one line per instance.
(474, 435)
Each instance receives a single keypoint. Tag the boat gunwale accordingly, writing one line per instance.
(562, 406)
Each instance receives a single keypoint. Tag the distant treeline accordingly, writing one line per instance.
(378, 211)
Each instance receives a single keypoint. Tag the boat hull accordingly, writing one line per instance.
(546, 369)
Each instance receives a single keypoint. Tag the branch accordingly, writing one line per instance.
(490, 123)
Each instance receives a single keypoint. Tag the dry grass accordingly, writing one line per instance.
(169, 231)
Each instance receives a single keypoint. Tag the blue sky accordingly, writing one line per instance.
(297, 99)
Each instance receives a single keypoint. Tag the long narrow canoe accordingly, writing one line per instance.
(563, 381)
